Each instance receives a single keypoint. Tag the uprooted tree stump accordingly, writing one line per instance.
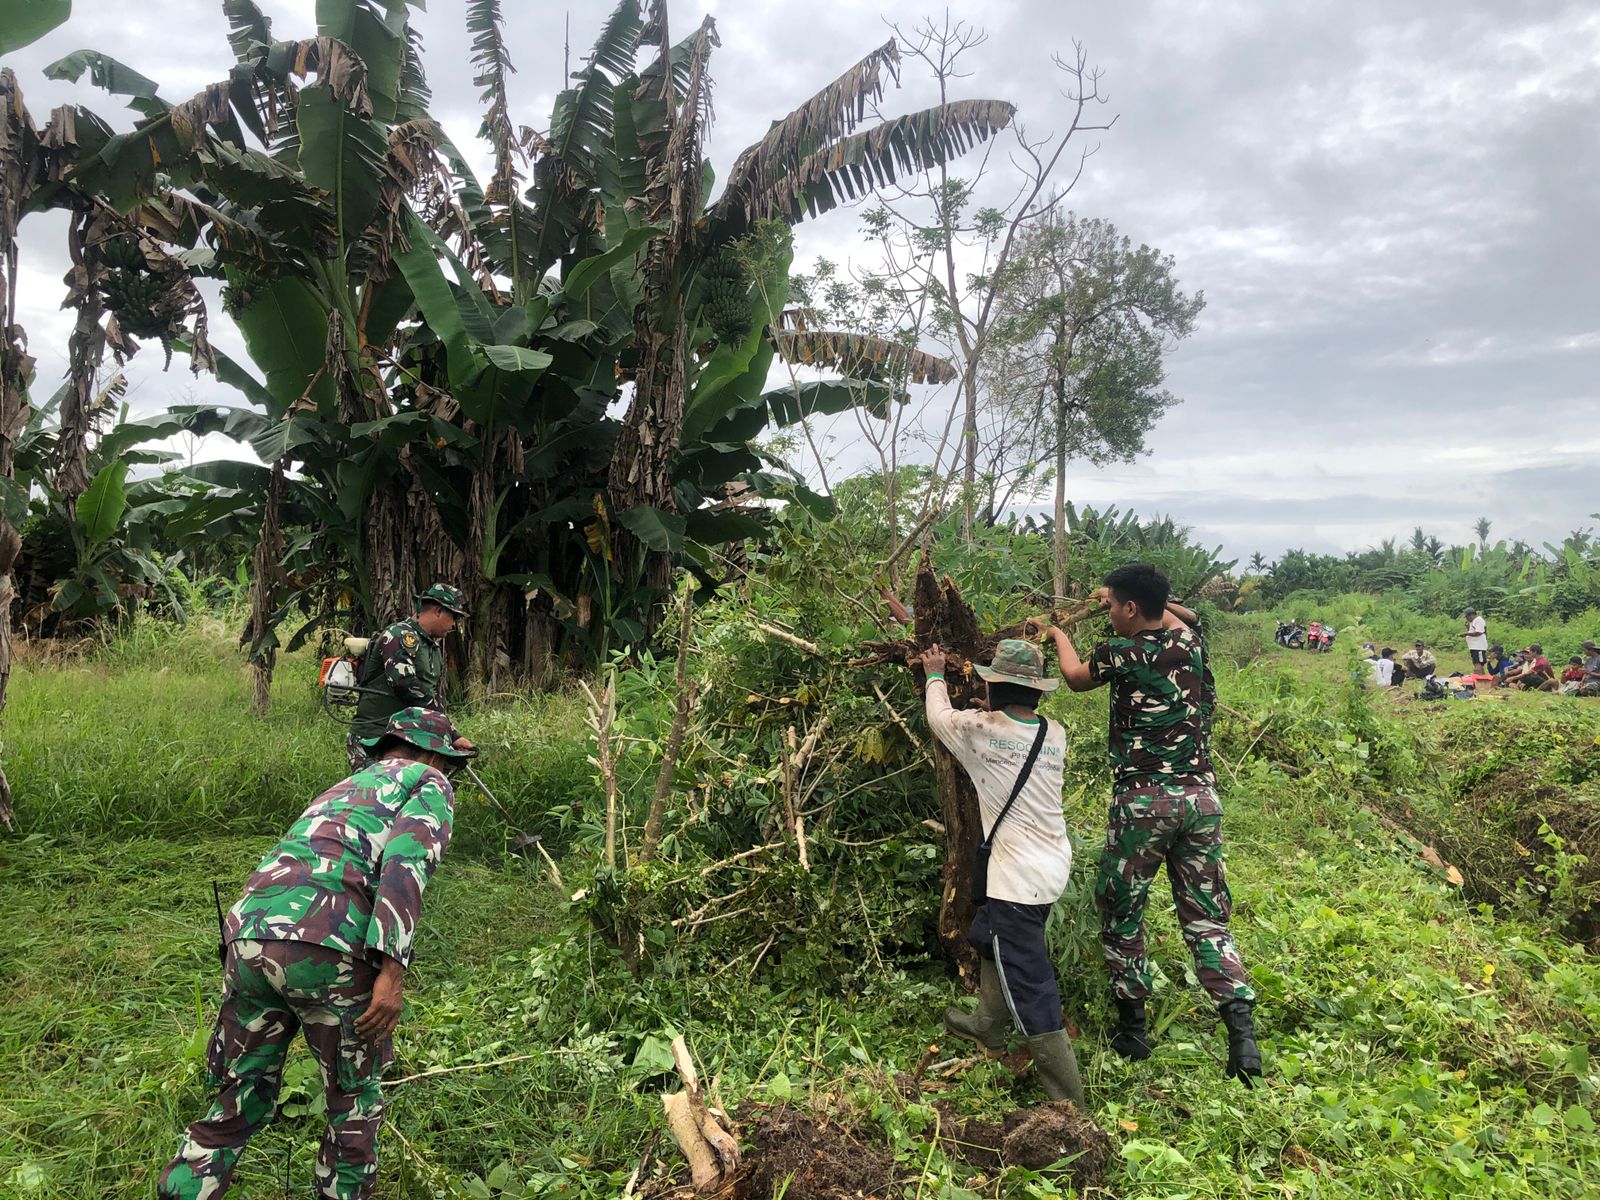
(703, 1134)
(942, 616)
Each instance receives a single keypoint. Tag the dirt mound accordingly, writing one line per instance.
(1033, 1138)
(805, 1157)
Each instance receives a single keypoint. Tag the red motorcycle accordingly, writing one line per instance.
(1314, 635)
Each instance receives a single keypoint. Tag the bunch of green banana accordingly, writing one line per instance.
(135, 297)
(725, 301)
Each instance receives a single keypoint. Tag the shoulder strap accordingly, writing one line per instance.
(1022, 778)
(372, 661)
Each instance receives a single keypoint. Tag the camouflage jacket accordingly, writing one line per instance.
(403, 668)
(351, 871)
(1162, 697)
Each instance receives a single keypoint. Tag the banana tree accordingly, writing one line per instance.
(437, 358)
(633, 136)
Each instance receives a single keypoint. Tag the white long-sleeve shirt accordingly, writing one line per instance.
(1031, 857)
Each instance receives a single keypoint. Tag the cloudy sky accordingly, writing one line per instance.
(1391, 208)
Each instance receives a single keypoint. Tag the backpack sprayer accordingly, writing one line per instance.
(339, 680)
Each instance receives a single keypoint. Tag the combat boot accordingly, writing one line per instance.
(990, 1023)
(1057, 1065)
(1244, 1058)
(1128, 1037)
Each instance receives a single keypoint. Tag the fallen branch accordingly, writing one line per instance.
(739, 857)
(783, 635)
(790, 815)
(899, 720)
(483, 1066)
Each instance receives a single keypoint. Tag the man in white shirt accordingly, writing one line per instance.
(1030, 855)
(1477, 635)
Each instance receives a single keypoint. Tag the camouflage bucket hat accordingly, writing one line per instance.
(445, 597)
(424, 728)
(1017, 661)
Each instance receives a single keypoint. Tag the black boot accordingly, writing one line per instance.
(1129, 1038)
(1244, 1058)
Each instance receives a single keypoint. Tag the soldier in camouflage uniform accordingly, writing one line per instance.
(403, 667)
(1164, 806)
(320, 942)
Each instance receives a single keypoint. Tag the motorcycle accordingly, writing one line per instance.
(1327, 637)
(1314, 636)
(1290, 634)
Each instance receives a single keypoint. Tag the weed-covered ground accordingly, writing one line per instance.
(1418, 1042)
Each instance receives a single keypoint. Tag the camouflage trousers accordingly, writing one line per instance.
(272, 989)
(1180, 825)
(357, 753)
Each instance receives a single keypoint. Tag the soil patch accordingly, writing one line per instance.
(1033, 1138)
(806, 1157)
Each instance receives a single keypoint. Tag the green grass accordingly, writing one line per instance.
(155, 738)
(1417, 1044)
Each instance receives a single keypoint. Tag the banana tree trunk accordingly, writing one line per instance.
(20, 173)
(85, 348)
(641, 467)
(264, 572)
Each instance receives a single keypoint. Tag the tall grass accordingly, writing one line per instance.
(151, 734)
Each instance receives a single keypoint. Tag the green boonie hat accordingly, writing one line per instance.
(446, 597)
(1017, 661)
(424, 728)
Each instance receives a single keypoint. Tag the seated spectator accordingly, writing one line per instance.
(1519, 667)
(1572, 677)
(1534, 672)
(1500, 662)
(1543, 676)
(1384, 668)
(1591, 670)
(1417, 662)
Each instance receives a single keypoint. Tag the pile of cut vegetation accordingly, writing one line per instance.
(1517, 806)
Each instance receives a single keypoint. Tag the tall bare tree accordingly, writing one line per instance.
(941, 237)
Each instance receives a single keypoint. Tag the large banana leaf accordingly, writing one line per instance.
(833, 112)
(26, 21)
(659, 530)
(100, 508)
(379, 41)
(580, 123)
(286, 331)
(343, 154)
(854, 166)
(249, 30)
(115, 77)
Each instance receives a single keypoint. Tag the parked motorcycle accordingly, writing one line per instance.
(1314, 636)
(1290, 634)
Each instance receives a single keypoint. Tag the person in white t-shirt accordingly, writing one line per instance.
(1477, 635)
(1030, 855)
